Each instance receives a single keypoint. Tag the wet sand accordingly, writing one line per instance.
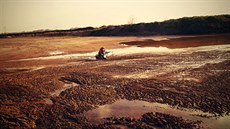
(55, 82)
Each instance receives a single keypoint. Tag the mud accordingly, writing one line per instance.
(183, 42)
(34, 94)
(151, 120)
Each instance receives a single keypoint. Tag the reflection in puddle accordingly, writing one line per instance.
(136, 108)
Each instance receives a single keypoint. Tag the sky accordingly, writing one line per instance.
(29, 15)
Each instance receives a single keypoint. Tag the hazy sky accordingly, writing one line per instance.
(28, 15)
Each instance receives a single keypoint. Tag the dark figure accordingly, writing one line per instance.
(101, 54)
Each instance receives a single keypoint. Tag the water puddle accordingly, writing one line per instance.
(208, 48)
(170, 66)
(65, 87)
(56, 53)
(67, 56)
(22, 69)
(138, 50)
(190, 79)
(115, 52)
(131, 50)
(48, 101)
(57, 92)
(136, 108)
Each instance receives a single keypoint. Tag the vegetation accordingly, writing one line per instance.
(182, 26)
(71, 32)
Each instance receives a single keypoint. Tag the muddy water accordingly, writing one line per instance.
(48, 101)
(170, 66)
(137, 50)
(134, 109)
(23, 69)
(125, 50)
(115, 52)
(57, 92)
(56, 52)
(67, 56)
(185, 75)
(134, 50)
(65, 87)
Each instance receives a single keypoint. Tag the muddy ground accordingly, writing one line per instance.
(33, 92)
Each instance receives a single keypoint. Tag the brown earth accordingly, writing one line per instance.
(184, 42)
(164, 78)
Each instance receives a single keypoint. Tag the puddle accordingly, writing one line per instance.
(208, 48)
(170, 66)
(133, 50)
(137, 50)
(67, 56)
(65, 87)
(139, 75)
(136, 108)
(57, 92)
(115, 52)
(56, 52)
(22, 69)
(190, 79)
(48, 101)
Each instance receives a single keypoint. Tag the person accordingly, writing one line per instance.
(101, 54)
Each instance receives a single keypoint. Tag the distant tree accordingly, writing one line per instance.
(182, 26)
(103, 26)
(131, 20)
